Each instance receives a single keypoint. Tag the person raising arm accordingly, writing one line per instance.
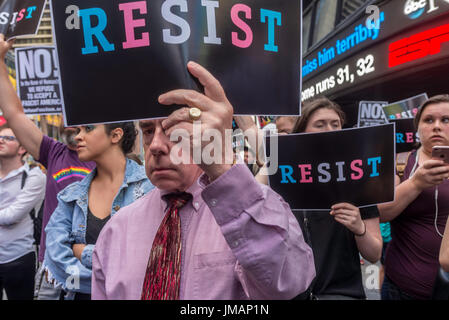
(26, 131)
(60, 159)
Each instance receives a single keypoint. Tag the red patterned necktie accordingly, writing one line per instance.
(162, 278)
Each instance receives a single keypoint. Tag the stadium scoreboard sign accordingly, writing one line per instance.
(405, 34)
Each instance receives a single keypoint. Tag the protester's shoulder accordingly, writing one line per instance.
(136, 177)
(69, 190)
(240, 176)
(268, 192)
(52, 145)
(37, 173)
(50, 151)
(136, 207)
(135, 171)
(132, 213)
(74, 190)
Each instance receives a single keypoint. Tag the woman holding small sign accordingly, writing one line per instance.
(337, 237)
(420, 210)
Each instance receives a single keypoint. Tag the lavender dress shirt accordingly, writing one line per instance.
(240, 240)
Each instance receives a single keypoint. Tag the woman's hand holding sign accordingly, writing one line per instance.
(367, 232)
(213, 119)
(349, 216)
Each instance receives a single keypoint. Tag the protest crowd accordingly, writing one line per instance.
(86, 219)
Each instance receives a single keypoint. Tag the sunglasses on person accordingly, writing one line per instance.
(8, 138)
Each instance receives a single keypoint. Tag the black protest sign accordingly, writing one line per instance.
(20, 17)
(38, 80)
(371, 113)
(117, 57)
(406, 135)
(405, 109)
(318, 170)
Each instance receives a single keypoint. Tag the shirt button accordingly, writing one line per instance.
(213, 202)
(235, 243)
(196, 205)
(117, 208)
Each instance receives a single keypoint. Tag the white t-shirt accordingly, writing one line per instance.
(16, 226)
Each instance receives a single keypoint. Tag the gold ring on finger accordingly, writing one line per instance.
(194, 114)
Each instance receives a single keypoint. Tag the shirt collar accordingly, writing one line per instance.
(195, 190)
(16, 172)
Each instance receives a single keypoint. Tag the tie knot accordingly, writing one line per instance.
(177, 200)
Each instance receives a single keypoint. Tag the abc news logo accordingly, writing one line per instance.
(415, 8)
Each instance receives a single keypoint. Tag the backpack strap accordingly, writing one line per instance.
(24, 177)
(401, 163)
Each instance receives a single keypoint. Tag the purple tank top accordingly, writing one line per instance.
(411, 260)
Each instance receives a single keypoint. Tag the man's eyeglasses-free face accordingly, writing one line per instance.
(8, 138)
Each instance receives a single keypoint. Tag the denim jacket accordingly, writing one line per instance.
(68, 224)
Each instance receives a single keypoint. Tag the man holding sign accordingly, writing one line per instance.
(229, 237)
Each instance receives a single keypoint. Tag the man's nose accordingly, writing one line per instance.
(159, 143)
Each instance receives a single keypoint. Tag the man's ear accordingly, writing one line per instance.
(117, 135)
(21, 151)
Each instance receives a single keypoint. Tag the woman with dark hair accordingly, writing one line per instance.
(420, 210)
(336, 236)
(84, 207)
(320, 115)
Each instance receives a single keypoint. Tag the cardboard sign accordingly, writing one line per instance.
(38, 80)
(371, 113)
(407, 108)
(318, 170)
(116, 57)
(20, 17)
(406, 135)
